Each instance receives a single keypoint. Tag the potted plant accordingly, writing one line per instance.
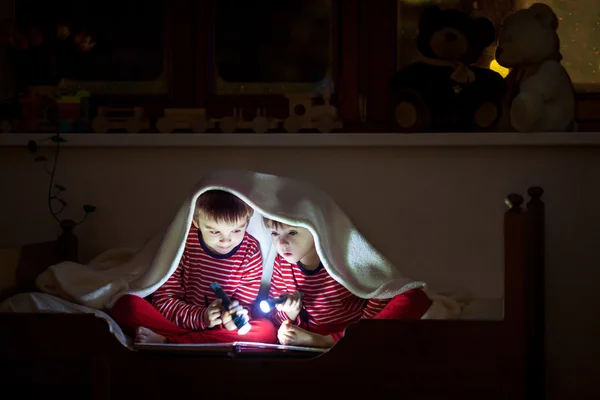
(67, 241)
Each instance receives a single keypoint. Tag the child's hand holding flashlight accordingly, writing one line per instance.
(227, 315)
(291, 306)
(212, 314)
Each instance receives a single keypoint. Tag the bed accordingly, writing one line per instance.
(75, 355)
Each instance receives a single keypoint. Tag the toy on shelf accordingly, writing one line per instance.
(442, 89)
(305, 115)
(541, 96)
(130, 119)
(39, 109)
(74, 112)
(193, 119)
(260, 123)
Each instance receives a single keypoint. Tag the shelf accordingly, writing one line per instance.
(309, 139)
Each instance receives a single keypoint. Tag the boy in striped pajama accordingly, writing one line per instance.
(319, 316)
(185, 309)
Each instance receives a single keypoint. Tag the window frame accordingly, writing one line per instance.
(178, 53)
(179, 48)
(345, 70)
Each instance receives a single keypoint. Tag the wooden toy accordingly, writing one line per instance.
(260, 123)
(130, 119)
(193, 119)
(304, 115)
(73, 112)
(38, 110)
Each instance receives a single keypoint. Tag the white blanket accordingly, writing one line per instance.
(344, 252)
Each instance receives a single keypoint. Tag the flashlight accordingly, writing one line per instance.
(240, 321)
(267, 305)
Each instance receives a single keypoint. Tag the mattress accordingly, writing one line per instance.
(34, 302)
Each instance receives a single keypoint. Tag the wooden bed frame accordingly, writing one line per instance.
(75, 355)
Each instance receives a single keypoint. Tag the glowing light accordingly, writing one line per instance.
(244, 329)
(494, 66)
(265, 306)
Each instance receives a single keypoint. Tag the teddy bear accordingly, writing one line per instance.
(540, 96)
(443, 91)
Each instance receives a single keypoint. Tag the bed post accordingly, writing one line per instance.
(535, 292)
(515, 314)
(524, 292)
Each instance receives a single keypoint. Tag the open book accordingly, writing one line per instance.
(231, 348)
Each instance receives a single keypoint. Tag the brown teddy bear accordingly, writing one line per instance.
(443, 91)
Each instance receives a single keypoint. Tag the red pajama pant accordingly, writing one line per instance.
(412, 304)
(132, 312)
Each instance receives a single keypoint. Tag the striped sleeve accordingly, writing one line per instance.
(168, 299)
(276, 289)
(373, 307)
(249, 286)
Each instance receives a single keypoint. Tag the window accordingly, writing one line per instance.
(579, 32)
(271, 46)
(250, 53)
(105, 45)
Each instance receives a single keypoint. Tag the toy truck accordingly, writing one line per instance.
(130, 119)
(305, 115)
(260, 124)
(192, 119)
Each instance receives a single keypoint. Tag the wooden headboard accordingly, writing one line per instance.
(33, 259)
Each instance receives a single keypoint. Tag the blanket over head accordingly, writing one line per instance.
(344, 252)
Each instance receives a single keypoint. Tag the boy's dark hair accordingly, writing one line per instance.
(221, 206)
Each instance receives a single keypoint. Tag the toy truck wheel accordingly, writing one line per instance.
(100, 124)
(228, 124)
(165, 125)
(260, 124)
(199, 125)
(292, 124)
(325, 124)
(133, 125)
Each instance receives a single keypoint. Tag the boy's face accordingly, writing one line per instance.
(293, 243)
(221, 237)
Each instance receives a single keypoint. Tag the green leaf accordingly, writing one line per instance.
(61, 188)
(40, 158)
(58, 139)
(32, 146)
(87, 208)
(64, 203)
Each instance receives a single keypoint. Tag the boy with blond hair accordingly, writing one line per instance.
(318, 308)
